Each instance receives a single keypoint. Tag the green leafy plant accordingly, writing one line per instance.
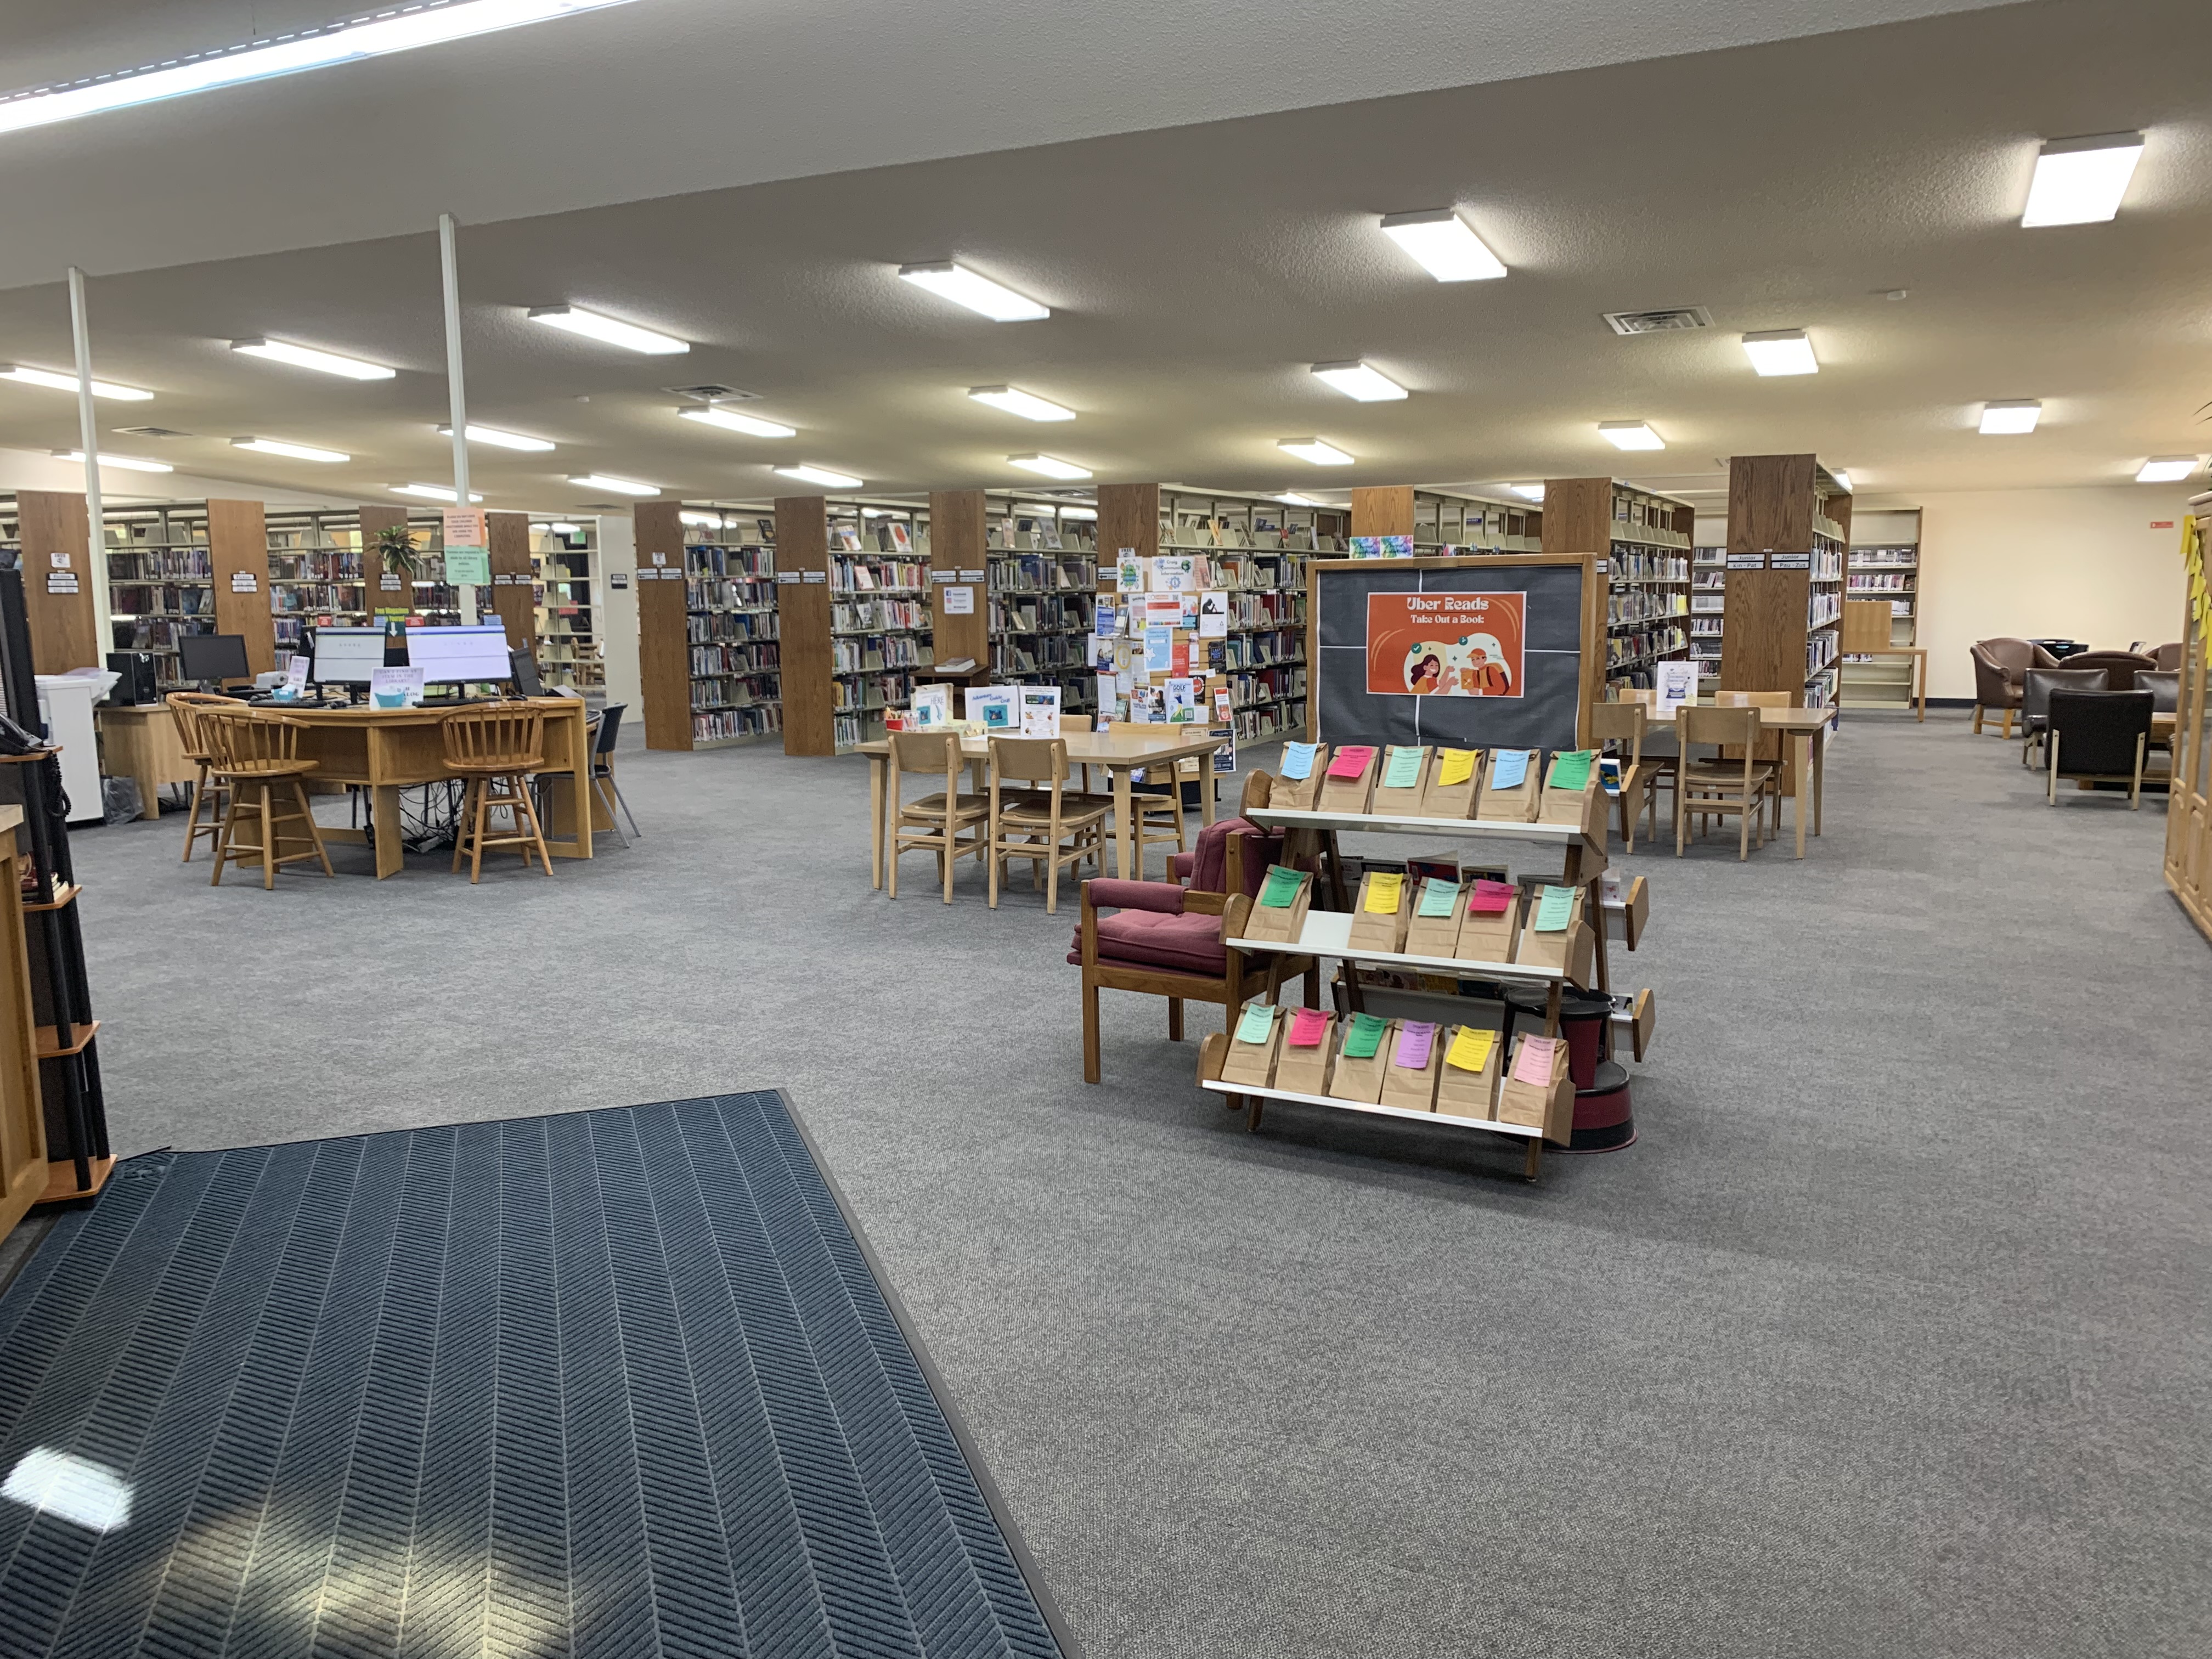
(395, 545)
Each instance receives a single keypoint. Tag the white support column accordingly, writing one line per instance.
(95, 563)
(615, 612)
(456, 396)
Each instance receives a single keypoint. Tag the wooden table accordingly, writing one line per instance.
(385, 750)
(1119, 754)
(140, 741)
(1807, 729)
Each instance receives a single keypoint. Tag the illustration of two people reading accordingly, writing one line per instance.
(1473, 665)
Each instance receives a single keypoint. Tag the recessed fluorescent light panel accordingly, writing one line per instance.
(1631, 435)
(1781, 351)
(606, 481)
(1292, 498)
(2080, 181)
(296, 451)
(730, 421)
(127, 463)
(300, 356)
(1050, 466)
(2166, 469)
(707, 519)
(979, 293)
(47, 377)
(610, 330)
(394, 31)
(1313, 450)
(1843, 479)
(492, 436)
(430, 492)
(1355, 380)
(1444, 244)
(2011, 417)
(1527, 492)
(563, 528)
(820, 475)
(1028, 405)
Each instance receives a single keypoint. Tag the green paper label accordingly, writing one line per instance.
(1553, 909)
(1437, 897)
(1282, 889)
(1258, 1024)
(1403, 769)
(1365, 1037)
(1571, 769)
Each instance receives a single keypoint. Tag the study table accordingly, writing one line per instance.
(1806, 732)
(140, 741)
(1119, 754)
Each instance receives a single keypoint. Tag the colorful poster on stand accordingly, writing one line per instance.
(1446, 645)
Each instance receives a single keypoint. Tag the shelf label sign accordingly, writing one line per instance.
(244, 582)
(1747, 561)
(1446, 645)
(1789, 562)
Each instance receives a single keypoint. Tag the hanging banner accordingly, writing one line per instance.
(1446, 645)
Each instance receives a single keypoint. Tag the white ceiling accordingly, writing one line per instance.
(1195, 271)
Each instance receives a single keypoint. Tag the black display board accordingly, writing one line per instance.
(1545, 713)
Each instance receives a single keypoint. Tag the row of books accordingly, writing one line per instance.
(160, 566)
(1078, 691)
(1246, 689)
(735, 694)
(871, 691)
(1823, 608)
(1636, 564)
(330, 565)
(139, 600)
(1027, 573)
(870, 652)
(1635, 605)
(708, 727)
(1269, 610)
(714, 659)
(710, 560)
(1879, 583)
(1271, 721)
(315, 596)
(701, 627)
(1041, 535)
(1263, 650)
(859, 615)
(1645, 644)
(1029, 653)
(1042, 615)
(867, 575)
(736, 594)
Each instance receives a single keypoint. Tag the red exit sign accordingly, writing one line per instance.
(2161, 524)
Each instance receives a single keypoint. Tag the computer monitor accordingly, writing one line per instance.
(211, 657)
(527, 681)
(344, 656)
(459, 656)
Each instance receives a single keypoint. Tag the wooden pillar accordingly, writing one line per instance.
(1128, 518)
(1578, 515)
(1384, 511)
(508, 534)
(802, 607)
(664, 642)
(64, 628)
(956, 544)
(237, 556)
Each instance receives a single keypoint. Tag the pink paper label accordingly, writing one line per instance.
(1308, 1027)
(1416, 1037)
(1350, 762)
(1490, 899)
(1533, 1065)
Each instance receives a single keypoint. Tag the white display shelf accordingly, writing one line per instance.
(1558, 834)
(1452, 1120)
(1328, 933)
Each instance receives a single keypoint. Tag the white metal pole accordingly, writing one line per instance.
(457, 398)
(95, 560)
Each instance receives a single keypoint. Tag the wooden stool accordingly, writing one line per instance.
(256, 759)
(185, 709)
(501, 746)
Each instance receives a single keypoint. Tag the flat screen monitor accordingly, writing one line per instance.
(344, 656)
(458, 656)
(211, 657)
(526, 674)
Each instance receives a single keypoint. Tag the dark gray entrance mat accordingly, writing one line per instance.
(619, 1382)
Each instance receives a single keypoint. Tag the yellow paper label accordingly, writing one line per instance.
(1470, 1049)
(1383, 890)
(1455, 766)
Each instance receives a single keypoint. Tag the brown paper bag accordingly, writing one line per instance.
(1557, 949)
(1412, 1087)
(1361, 1080)
(1253, 1064)
(1350, 795)
(1568, 806)
(1300, 795)
(1434, 936)
(1400, 803)
(1549, 1107)
(1449, 800)
(1513, 805)
(1305, 1069)
(1466, 1093)
(1487, 936)
(1385, 930)
(1276, 926)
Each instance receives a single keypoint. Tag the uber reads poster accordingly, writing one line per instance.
(1445, 645)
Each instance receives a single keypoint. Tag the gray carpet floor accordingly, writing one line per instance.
(1889, 1337)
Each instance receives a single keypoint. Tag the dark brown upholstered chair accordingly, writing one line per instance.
(2001, 668)
(2119, 667)
(2099, 737)
(2168, 658)
(2035, 699)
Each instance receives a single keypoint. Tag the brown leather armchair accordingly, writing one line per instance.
(2001, 668)
(2120, 668)
(2168, 658)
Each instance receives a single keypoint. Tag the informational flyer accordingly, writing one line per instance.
(1446, 645)
(395, 688)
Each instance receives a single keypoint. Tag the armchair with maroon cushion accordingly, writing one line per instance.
(1165, 940)
(2118, 667)
(2001, 668)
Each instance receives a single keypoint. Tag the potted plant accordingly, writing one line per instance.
(395, 545)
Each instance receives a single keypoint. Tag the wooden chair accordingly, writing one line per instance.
(496, 749)
(183, 709)
(1036, 823)
(934, 822)
(255, 760)
(1771, 747)
(1158, 813)
(1717, 788)
(1624, 723)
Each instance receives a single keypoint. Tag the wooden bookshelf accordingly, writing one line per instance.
(1889, 573)
(567, 607)
(1385, 510)
(52, 525)
(730, 623)
(238, 559)
(1644, 539)
(1043, 559)
(881, 622)
(802, 574)
(959, 547)
(1788, 527)
(159, 584)
(506, 536)
(664, 651)
(1446, 524)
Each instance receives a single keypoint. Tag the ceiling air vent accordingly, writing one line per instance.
(713, 394)
(1659, 322)
(150, 432)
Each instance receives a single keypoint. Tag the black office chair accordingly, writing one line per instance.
(2099, 737)
(603, 774)
(2035, 698)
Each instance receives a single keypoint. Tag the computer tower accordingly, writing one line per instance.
(135, 685)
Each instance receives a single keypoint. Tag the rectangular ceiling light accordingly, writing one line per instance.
(1026, 405)
(1527, 492)
(820, 475)
(430, 492)
(2080, 181)
(127, 463)
(2010, 417)
(1355, 380)
(1313, 450)
(1631, 435)
(492, 435)
(297, 451)
(730, 421)
(2166, 469)
(561, 528)
(1444, 244)
(1292, 498)
(607, 481)
(300, 356)
(1050, 466)
(1781, 351)
(394, 31)
(593, 326)
(1843, 477)
(709, 520)
(980, 293)
(47, 377)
